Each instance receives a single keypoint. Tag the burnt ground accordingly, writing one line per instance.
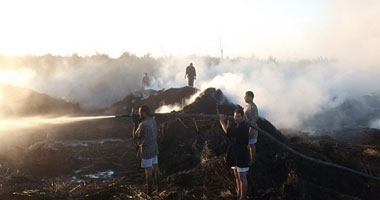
(96, 159)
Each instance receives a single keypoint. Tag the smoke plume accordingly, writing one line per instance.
(289, 93)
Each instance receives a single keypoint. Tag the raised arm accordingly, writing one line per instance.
(222, 120)
(138, 128)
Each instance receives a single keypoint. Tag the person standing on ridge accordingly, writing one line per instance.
(191, 74)
(145, 81)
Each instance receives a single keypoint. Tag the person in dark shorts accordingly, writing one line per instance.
(238, 156)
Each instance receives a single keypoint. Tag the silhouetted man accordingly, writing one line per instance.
(145, 81)
(191, 74)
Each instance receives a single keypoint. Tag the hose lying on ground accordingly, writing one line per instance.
(210, 116)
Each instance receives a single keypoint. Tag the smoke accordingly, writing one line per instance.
(307, 93)
(19, 77)
(168, 108)
(288, 93)
(375, 124)
(94, 81)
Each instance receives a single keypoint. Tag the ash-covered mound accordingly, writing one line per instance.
(185, 143)
(209, 101)
(154, 99)
(21, 102)
(192, 155)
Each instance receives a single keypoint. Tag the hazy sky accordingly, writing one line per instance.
(167, 27)
(283, 29)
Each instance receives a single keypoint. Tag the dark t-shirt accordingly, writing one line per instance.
(190, 71)
(239, 135)
(238, 154)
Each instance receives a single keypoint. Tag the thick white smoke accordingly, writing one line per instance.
(288, 93)
(375, 124)
(94, 81)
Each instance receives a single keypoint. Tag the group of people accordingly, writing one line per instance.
(190, 74)
(241, 154)
(242, 151)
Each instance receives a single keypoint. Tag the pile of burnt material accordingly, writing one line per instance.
(152, 98)
(185, 143)
(192, 156)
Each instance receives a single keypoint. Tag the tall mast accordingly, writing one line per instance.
(221, 49)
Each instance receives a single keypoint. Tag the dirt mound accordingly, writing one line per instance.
(152, 98)
(16, 101)
(192, 154)
(208, 102)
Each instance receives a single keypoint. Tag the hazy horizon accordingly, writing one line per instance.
(287, 92)
(308, 55)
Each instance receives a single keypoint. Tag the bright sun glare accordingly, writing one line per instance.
(19, 77)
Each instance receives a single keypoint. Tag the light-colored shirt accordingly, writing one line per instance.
(145, 81)
(146, 134)
(250, 112)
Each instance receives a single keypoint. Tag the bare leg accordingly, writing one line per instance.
(157, 176)
(237, 183)
(243, 185)
(148, 176)
(252, 153)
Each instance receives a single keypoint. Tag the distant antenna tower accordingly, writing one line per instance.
(221, 49)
